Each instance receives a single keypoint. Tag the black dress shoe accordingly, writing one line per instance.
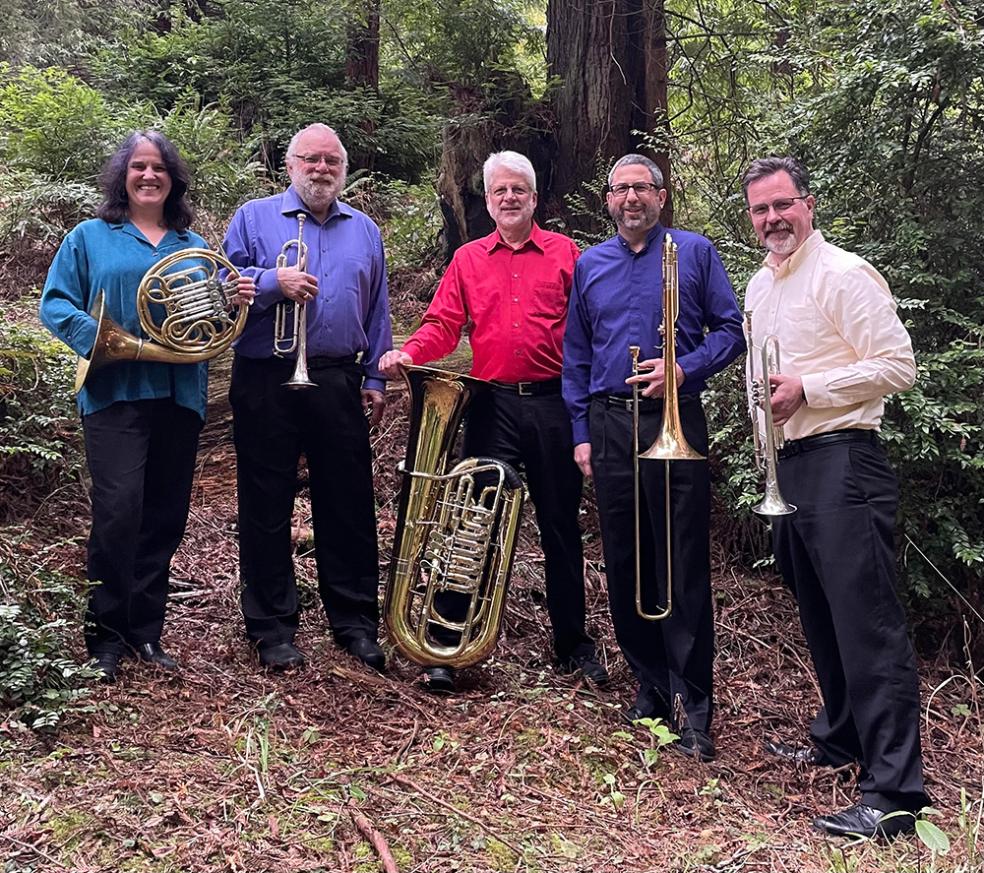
(439, 679)
(806, 755)
(108, 665)
(648, 704)
(367, 651)
(280, 657)
(152, 653)
(695, 744)
(587, 665)
(861, 820)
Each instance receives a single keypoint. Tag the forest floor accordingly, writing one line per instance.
(225, 767)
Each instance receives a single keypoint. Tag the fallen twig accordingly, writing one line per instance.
(376, 839)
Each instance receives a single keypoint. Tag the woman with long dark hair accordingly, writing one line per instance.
(140, 419)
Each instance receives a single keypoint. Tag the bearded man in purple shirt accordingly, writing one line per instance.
(343, 289)
(616, 301)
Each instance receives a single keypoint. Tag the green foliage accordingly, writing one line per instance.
(411, 221)
(223, 174)
(39, 683)
(884, 101)
(39, 439)
(53, 124)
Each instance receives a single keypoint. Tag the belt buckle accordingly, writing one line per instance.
(524, 389)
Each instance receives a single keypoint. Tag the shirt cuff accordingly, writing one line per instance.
(582, 431)
(373, 384)
(815, 391)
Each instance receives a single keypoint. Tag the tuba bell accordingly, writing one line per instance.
(456, 530)
(184, 308)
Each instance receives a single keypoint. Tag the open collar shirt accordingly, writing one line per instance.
(516, 301)
(838, 330)
(112, 257)
(617, 301)
(350, 314)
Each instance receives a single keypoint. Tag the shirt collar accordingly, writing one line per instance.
(131, 229)
(292, 204)
(654, 233)
(792, 263)
(494, 240)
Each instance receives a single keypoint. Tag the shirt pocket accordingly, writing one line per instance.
(548, 300)
(801, 324)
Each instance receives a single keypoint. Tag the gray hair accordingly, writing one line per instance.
(324, 128)
(641, 160)
(514, 161)
(763, 167)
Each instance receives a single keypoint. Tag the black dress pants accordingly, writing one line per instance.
(141, 457)
(672, 658)
(533, 433)
(837, 555)
(272, 426)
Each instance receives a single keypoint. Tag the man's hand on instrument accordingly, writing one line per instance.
(295, 285)
(653, 379)
(582, 457)
(245, 291)
(392, 363)
(787, 397)
(373, 404)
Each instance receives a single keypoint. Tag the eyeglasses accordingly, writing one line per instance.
(759, 210)
(622, 189)
(314, 160)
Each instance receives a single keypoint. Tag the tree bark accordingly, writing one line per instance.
(610, 59)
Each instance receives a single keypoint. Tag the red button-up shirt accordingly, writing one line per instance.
(516, 300)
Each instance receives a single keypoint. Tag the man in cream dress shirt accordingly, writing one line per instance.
(843, 348)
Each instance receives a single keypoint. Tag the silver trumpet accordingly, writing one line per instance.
(767, 445)
(287, 340)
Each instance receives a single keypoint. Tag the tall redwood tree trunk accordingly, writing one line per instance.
(610, 59)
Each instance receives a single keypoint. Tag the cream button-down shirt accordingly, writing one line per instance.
(838, 331)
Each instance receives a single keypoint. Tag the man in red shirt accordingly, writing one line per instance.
(513, 286)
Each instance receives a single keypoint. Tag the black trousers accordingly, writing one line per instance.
(533, 433)
(141, 457)
(272, 426)
(673, 658)
(837, 555)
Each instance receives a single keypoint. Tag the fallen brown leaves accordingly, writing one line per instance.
(335, 768)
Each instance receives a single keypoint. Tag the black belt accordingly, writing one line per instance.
(646, 404)
(821, 440)
(322, 362)
(530, 389)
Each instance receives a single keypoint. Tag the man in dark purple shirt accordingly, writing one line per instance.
(343, 290)
(616, 301)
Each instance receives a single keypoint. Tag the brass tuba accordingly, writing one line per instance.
(456, 530)
(766, 444)
(183, 306)
(671, 444)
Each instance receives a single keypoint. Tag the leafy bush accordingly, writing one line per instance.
(53, 124)
(40, 446)
(891, 134)
(39, 685)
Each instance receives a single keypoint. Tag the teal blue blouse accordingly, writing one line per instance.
(113, 258)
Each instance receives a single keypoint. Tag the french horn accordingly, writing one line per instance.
(185, 309)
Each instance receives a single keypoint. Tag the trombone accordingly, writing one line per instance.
(767, 445)
(287, 341)
(671, 444)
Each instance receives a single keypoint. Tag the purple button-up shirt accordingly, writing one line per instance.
(617, 301)
(350, 314)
